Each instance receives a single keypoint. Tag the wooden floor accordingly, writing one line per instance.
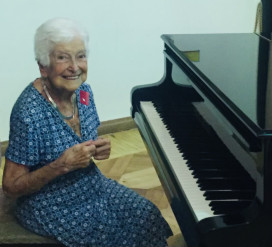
(130, 165)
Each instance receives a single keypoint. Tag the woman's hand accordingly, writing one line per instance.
(103, 148)
(18, 181)
(75, 157)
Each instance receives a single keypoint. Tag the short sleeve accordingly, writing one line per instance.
(23, 141)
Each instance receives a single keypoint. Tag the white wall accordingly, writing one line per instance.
(126, 49)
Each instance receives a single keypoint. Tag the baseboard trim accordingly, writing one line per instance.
(116, 125)
(106, 127)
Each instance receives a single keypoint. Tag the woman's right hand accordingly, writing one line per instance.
(75, 157)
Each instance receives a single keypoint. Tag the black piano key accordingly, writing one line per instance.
(229, 194)
(204, 155)
(224, 183)
(211, 163)
(216, 172)
(228, 207)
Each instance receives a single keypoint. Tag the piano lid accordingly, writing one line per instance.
(237, 64)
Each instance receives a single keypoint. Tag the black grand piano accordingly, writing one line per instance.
(208, 128)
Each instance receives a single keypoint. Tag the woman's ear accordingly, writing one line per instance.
(43, 70)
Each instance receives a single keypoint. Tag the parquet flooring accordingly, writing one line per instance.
(130, 165)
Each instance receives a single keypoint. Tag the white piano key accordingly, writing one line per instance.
(195, 197)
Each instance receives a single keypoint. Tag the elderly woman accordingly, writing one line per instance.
(49, 168)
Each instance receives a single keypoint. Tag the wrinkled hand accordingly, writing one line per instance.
(76, 157)
(103, 148)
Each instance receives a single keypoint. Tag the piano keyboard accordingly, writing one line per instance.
(200, 206)
(212, 180)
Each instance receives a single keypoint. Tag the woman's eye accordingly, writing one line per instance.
(81, 56)
(61, 57)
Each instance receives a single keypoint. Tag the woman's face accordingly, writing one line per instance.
(68, 66)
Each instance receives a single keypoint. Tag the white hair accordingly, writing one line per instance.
(54, 31)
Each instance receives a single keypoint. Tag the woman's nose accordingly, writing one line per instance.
(73, 65)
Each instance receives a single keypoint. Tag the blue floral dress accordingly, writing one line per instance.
(82, 208)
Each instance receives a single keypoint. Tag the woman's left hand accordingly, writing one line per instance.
(103, 148)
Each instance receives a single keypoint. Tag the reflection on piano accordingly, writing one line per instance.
(204, 125)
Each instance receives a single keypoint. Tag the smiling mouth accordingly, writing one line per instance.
(71, 77)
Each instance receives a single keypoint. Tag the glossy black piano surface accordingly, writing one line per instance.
(214, 102)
